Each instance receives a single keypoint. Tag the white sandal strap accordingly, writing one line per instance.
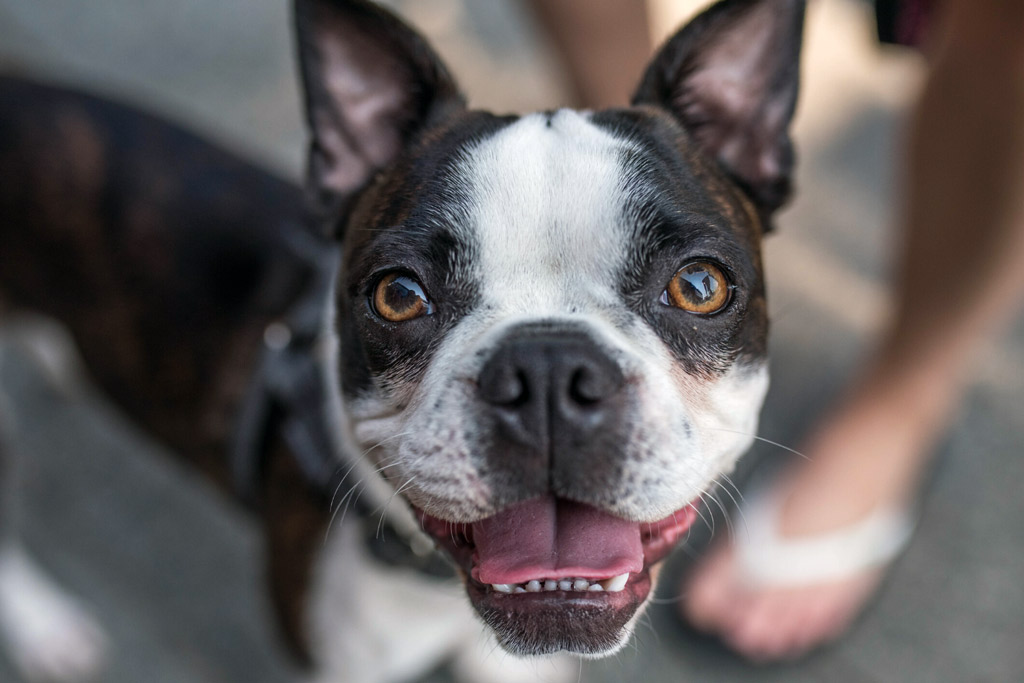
(767, 559)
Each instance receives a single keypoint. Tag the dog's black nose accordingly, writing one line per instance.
(551, 390)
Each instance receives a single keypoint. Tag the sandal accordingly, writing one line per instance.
(766, 558)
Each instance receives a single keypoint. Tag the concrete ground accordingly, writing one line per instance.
(172, 570)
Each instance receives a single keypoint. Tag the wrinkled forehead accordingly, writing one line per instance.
(550, 208)
(564, 204)
(548, 215)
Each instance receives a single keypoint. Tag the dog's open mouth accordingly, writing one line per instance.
(551, 574)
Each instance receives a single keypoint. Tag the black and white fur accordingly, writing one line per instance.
(554, 232)
(544, 244)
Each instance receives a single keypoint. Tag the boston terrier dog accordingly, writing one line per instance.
(551, 328)
(526, 345)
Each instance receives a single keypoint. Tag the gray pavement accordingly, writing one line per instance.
(172, 570)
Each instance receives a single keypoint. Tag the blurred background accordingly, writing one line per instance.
(173, 571)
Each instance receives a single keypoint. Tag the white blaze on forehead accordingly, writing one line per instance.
(547, 214)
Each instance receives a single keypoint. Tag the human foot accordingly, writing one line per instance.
(771, 597)
(810, 551)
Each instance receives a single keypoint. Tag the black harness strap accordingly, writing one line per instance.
(289, 392)
(289, 383)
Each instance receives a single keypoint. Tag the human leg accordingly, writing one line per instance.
(605, 45)
(960, 276)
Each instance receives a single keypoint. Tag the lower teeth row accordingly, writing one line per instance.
(612, 585)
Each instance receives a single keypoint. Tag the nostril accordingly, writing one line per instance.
(588, 386)
(532, 376)
(504, 385)
(519, 391)
(584, 389)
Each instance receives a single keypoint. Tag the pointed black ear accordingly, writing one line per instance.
(370, 84)
(731, 78)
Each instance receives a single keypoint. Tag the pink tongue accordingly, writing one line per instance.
(546, 538)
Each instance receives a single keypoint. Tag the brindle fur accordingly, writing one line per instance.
(166, 258)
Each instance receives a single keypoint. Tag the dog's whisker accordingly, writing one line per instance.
(346, 500)
(343, 500)
(722, 487)
(654, 631)
(335, 510)
(647, 623)
(335, 503)
(451, 533)
(384, 511)
(397, 491)
(384, 441)
(341, 483)
(727, 509)
(674, 600)
(763, 440)
(708, 498)
(492, 651)
(726, 480)
(685, 545)
(737, 515)
(725, 513)
(349, 501)
(361, 483)
(357, 460)
(344, 513)
(708, 521)
(494, 645)
(352, 489)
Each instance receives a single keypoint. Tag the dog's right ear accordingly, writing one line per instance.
(370, 84)
(730, 77)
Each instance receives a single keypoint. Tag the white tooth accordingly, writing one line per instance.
(565, 585)
(616, 583)
(502, 587)
(580, 585)
(595, 587)
(518, 589)
(533, 586)
(550, 585)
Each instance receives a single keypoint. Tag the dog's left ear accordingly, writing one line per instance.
(371, 83)
(731, 78)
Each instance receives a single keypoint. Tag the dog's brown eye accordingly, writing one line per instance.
(398, 298)
(699, 287)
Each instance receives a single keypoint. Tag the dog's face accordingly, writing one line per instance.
(552, 327)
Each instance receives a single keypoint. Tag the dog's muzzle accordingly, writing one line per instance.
(552, 569)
